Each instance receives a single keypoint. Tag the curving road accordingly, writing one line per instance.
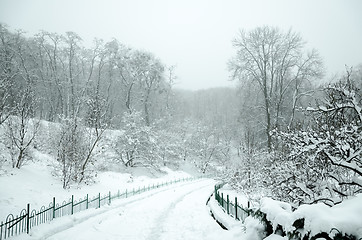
(179, 212)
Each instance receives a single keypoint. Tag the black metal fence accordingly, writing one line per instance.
(15, 225)
(231, 208)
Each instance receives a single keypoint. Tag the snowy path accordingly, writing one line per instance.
(179, 212)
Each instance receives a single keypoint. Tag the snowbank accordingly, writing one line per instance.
(35, 184)
(344, 218)
(219, 214)
(278, 213)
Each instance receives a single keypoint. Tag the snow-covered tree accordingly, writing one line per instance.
(328, 156)
(275, 62)
(8, 71)
(138, 143)
(71, 151)
(21, 129)
(206, 147)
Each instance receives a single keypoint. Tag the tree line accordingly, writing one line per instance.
(280, 131)
(88, 91)
(302, 138)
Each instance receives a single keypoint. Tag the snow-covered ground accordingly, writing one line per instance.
(35, 184)
(345, 217)
(176, 212)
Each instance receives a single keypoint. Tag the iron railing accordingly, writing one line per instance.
(231, 208)
(22, 223)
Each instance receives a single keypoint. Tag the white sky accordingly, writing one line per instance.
(196, 35)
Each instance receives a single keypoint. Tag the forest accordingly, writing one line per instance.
(286, 131)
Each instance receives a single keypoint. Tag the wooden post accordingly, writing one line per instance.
(87, 202)
(109, 197)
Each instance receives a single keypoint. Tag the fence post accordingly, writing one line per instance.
(109, 197)
(99, 200)
(86, 206)
(53, 207)
(222, 199)
(118, 194)
(248, 208)
(236, 208)
(126, 193)
(72, 204)
(27, 218)
(227, 204)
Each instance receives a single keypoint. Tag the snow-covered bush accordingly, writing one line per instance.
(21, 132)
(326, 159)
(254, 174)
(71, 152)
(138, 143)
(341, 221)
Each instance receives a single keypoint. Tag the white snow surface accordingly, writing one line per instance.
(220, 215)
(176, 212)
(34, 184)
(277, 212)
(346, 216)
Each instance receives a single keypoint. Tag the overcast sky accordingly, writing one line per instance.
(196, 35)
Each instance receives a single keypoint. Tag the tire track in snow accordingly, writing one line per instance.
(96, 215)
(158, 227)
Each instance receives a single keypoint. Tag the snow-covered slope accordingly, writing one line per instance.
(175, 212)
(35, 184)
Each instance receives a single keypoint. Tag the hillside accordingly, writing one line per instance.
(37, 181)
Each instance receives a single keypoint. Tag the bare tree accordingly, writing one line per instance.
(8, 71)
(70, 151)
(21, 129)
(206, 147)
(274, 61)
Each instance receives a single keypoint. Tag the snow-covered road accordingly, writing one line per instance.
(180, 212)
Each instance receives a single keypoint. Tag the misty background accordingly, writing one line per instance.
(264, 95)
(196, 35)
